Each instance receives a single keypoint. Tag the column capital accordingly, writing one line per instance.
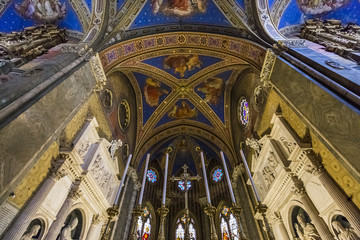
(298, 189)
(314, 165)
(210, 210)
(96, 219)
(236, 210)
(75, 194)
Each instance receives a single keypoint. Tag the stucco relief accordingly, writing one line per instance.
(101, 173)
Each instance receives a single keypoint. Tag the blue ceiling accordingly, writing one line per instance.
(296, 12)
(166, 14)
(19, 14)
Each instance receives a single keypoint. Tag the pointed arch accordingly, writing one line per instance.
(178, 226)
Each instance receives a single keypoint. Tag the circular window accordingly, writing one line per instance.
(181, 185)
(217, 175)
(243, 111)
(151, 176)
(124, 115)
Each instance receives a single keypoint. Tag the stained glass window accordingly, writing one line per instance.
(180, 228)
(225, 211)
(151, 175)
(228, 221)
(224, 229)
(180, 232)
(217, 175)
(181, 185)
(192, 231)
(146, 212)
(244, 111)
(143, 226)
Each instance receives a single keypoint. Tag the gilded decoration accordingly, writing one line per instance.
(342, 177)
(241, 48)
(35, 176)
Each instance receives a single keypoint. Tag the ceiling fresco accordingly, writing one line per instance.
(241, 3)
(163, 12)
(23, 13)
(298, 11)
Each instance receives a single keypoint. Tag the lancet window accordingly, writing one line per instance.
(144, 225)
(181, 226)
(243, 111)
(228, 225)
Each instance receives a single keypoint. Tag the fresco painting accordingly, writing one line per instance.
(182, 111)
(182, 63)
(160, 12)
(298, 11)
(153, 92)
(213, 88)
(26, 13)
(182, 66)
(41, 10)
(212, 92)
(180, 8)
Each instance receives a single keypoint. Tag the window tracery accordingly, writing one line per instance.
(151, 176)
(243, 111)
(228, 225)
(217, 175)
(143, 226)
(180, 228)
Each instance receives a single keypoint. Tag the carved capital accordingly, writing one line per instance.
(75, 194)
(210, 210)
(98, 71)
(112, 212)
(236, 210)
(261, 208)
(298, 189)
(138, 211)
(314, 165)
(163, 211)
(96, 219)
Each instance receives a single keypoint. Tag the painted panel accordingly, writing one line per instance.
(212, 92)
(160, 12)
(182, 66)
(154, 92)
(23, 13)
(298, 11)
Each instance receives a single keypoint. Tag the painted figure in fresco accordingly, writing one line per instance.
(146, 234)
(179, 8)
(153, 92)
(42, 10)
(66, 231)
(182, 63)
(314, 7)
(305, 230)
(344, 233)
(33, 232)
(213, 89)
(183, 111)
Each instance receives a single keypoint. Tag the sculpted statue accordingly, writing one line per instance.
(305, 230)
(344, 233)
(115, 144)
(254, 144)
(33, 232)
(66, 232)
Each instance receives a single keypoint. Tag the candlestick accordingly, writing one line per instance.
(144, 179)
(122, 180)
(165, 178)
(228, 178)
(249, 174)
(205, 178)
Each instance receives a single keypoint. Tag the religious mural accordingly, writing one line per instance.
(42, 10)
(182, 63)
(213, 88)
(320, 6)
(298, 11)
(153, 92)
(179, 8)
(182, 111)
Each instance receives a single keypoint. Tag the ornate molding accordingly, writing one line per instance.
(98, 71)
(267, 68)
(292, 43)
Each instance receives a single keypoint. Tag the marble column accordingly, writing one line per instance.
(280, 231)
(319, 223)
(95, 228)
(55, 228)
(19, 226)
(347, 207)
